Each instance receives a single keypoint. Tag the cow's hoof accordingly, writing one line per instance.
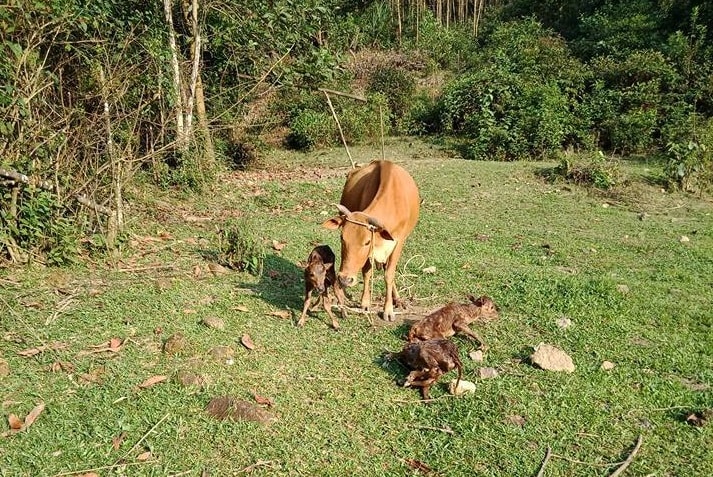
(389, 317)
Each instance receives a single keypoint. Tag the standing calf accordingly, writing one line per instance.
(454, 318)
(429, 360)
(320, 276)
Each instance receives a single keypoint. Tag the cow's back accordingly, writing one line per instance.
(385, 191)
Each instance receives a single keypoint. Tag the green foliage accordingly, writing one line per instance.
(362, 122)
(519, 102)
(397, 86)
(592, 169)
(240, 247)
(311, 129)
(628, 99)
(449, 48)
(690, 162)
(422, 117)
(38, 228)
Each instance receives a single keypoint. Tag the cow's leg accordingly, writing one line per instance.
(327, 302)
(341, 298)
(389, 276)
(367, 271)
(303, 318)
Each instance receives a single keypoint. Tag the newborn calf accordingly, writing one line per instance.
(454, 318)
(320, 276)
(429, 360)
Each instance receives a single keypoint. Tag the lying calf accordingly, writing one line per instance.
(320, 275)
(454, 318)
(428, 361)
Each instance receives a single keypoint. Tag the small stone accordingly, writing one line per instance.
(213, 322)
(623, 289)
(174, 344)
(463, 387)
(487, 373)
(429, 270)
(217, 269)
(607, 365)
(551, 358)
(564, 322)
(684, 239)
(222, 353)
(189, 378)
(476, 355)
(227, 407)
(4, 368)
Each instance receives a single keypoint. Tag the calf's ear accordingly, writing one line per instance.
(333, 223)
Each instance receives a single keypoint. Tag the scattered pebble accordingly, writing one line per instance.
(222, 353)
(213, 322)
(564, 322)
(551, 358)
(429, 270)
(464, 387)
(476, 355)
(487, 373)
(607, 365)
(684, 239)
(174, 344)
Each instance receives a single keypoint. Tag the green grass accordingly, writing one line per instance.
(541, 250)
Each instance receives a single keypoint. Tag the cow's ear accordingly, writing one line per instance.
(384, 234)
(333, 223)
(329, 265)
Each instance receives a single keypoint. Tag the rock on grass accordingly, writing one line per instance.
(551, 358)
(227, 407)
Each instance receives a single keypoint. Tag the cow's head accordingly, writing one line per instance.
(361, 236)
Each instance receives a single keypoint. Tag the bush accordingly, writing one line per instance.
(37, 228)
(592, 169)
(311, 129)
(629, 98)
(519, 99)
(690, 162)
(397, 86)
(240, 248)
(362, 122)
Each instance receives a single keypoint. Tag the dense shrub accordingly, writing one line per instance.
(591, 169)
(690, 161)
(628, 100)
(311, 129)
(240, 247)
(519, 102)
(36, 226)
(397, 86)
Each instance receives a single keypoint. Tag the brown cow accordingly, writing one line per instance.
(378, 210)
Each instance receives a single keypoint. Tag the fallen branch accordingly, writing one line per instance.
(153, 428)
(251, 467)
(544, 462)
(629, 459)
(340, 93)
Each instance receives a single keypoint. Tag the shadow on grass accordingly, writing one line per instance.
(281, 283)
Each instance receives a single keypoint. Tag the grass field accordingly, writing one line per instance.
(615, 265)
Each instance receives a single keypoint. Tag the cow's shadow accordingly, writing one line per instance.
(281, 283)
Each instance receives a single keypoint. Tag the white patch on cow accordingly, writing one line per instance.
(383, 251)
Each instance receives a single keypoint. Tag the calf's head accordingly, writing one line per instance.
(362, 235)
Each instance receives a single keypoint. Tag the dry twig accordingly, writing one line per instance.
(544, 462)
(629, 459)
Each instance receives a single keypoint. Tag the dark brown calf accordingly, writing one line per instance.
(428, 361)
(320, 276)
(454, 318)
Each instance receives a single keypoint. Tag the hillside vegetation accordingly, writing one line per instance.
(101, 100)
